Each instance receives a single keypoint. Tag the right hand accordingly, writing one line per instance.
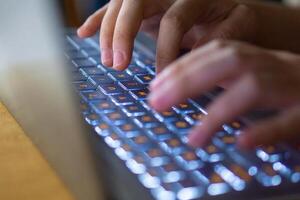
(179, 23)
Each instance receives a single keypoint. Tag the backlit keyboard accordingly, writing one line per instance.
(153, 145)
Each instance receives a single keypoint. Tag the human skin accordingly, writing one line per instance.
(263, 78)
(189, 24)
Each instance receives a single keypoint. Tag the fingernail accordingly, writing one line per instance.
(118, 59)
(106, 57)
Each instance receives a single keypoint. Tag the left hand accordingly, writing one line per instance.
(262, 78)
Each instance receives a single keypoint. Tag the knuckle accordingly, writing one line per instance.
(219, 44)
(172, 19)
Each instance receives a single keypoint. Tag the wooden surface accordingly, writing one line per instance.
(24, 173)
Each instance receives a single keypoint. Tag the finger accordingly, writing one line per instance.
(127, 26)
(92, 24)
(239, 99)
(238, 25)
(203, 73)
(282, 128)
(176, 22)
(107, 31)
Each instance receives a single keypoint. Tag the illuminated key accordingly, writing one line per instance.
(160, 132)
(196, 117)
(151, 178)
(92, 95)
(116, 117)
(86, 85)
(172, 146)
(136, 70)
(211, 153)
(120, 76)
(189, 160)
(113, 140)
(125, 151)
(103, 106)
(180, 125)
(147, 120)
(157, 157)
(140, 94)
(186, 107)
(268, 176)
(78, 76)
(134, 110)
(83, 63)
(271, 153)
(132, 85)
(137, 164)
(145, 79)
(129, 129)
(101, 79)
(123, 99)
(172, 173)
(84, 107)
(91, 71)
(111, 89)
(168, 115)
(102, 129)
(92, 118)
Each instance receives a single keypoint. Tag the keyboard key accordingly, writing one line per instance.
(210, 153)
(172, 146)
(151, 178)
(216, 184)
(141, 94)
(116, 117)
(186, 108)
(101, 80)
(145, 79)
(180, 125)
(91, 52)
(290, 168)
(75, 55)
(122, 99)
(84, 85)
(78, 76)
(134, 110)
(267, 176)
(92, 95)
(157, 157)
(129, 129)
(235, 175)
(84, 63)
(167, 115)
(172, 173)
(136, 70)
(111, 89)
(125, 151)
(131, 85)
(103, 106)
(189, 190)
(92, 118)
(160, 132)
(102, 129)
(137, 164)
(120, 76)
(270, 153)
(92, 71)
(195, 117)
(147, 120)
(113, 140)
(189, 160)
(84, 108)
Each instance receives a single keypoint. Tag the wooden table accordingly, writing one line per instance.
(24, 173)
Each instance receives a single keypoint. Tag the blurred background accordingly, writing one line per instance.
(76, 11)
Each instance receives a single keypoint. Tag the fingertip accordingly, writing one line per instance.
(245, 142)
(196, 138)
(107, 57)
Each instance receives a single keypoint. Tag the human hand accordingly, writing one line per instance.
(176, 23)
(263, 78)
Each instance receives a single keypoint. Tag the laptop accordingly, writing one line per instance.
(94, 126)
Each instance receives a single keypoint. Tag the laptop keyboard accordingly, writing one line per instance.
(153, 145)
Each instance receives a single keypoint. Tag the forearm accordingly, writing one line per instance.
(277, 27)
